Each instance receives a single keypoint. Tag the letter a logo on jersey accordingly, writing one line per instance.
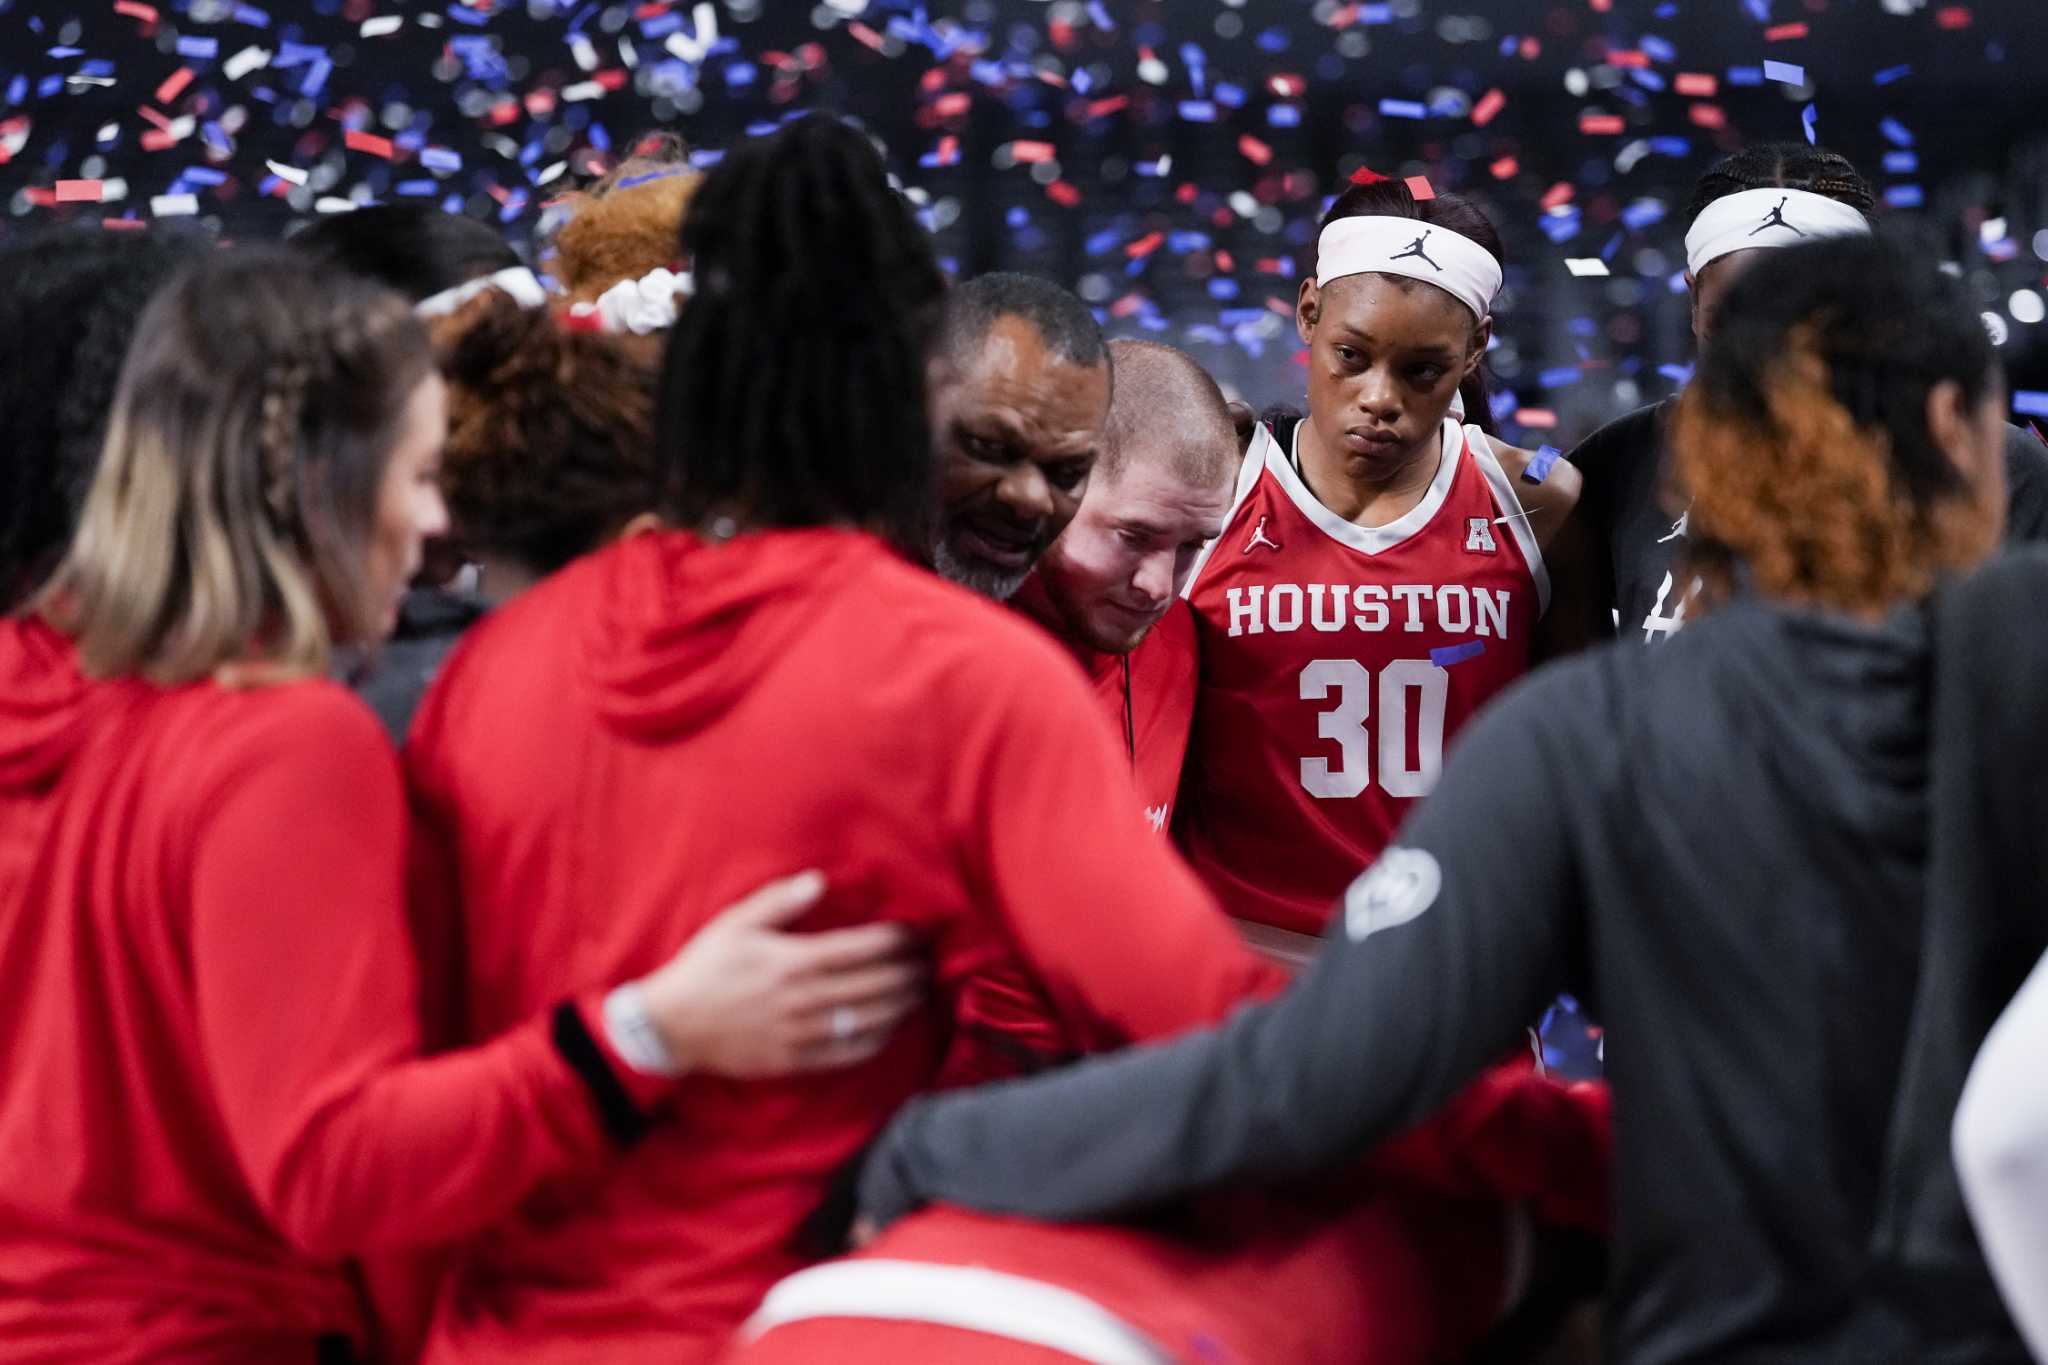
(1479, 536)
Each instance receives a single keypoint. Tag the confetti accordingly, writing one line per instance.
(1443, 656)
(1540, 464)
(1582, 265)
(1786, 73)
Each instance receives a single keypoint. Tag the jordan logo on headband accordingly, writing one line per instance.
(1415, 249)
(1776, 218)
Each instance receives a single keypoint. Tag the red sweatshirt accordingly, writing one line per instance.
(1148, 694)
(209, 1007)
(656, 730)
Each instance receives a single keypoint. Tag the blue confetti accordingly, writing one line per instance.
(1198, 111)
(1657, 49)
(1895, 132)
(2032, 402)
(1540, 464)
(441, 159)
(1787, 73)
(1892, 73)
(1559, 377)
(1404, 109)
(1904, 197)
(198, 47)
(1901, 163)
(1745, 75)
(1443, 656)
(1807, 119)
(1677, 374)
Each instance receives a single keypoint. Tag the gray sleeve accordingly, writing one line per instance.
(1438, 958)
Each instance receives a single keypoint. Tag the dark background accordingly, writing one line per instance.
(1262, 106)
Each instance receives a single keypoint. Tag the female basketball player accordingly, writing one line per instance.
(1765, 896)
(1381, 575)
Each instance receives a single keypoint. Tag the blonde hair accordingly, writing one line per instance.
(229, 522)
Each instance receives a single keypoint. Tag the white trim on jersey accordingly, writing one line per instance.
(968, 1297)
(1510, 504)
(1372, 540)
(1247, 479)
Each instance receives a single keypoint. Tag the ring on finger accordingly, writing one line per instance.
(844, 1023)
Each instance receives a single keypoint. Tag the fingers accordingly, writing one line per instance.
(873, 1018)
(841, 950)
(859, 986)
(777, 903)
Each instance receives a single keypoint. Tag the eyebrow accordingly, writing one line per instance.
(1414, 352)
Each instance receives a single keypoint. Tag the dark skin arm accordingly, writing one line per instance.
(1579, 595)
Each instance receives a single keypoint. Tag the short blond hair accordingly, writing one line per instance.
(229, 520)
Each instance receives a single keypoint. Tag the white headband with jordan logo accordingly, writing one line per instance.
(1422, 251)
(1767, 218)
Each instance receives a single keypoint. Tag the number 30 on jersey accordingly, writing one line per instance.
(1345, 725)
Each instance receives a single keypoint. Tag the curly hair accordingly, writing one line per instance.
(550, 431)
(626, 224)
(1803, 439)
(69, 302)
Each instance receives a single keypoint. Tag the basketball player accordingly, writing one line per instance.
(1110, 586)
(1770, 902)
(1381, 575)
(1763, 198)
(1019, 391)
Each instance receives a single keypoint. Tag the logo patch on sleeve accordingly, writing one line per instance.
(1397, 888)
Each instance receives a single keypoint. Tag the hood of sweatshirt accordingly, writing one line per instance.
(43, 699)
(684, 625)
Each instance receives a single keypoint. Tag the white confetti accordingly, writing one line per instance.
(383, 24)
(243, 62)
(582, 90)
(1585, 265)
(174, 205)
(284, 172)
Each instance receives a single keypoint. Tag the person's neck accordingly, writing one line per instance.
(1365, 501)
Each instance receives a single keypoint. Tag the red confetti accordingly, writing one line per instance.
(123, 224)
(78, 191)
(1708, 116)
(1696, 84)
(40, 197)
(1127, 305)
(1063, 194)
(1560, 193)
(1490, 104)
(1366, 175)
(1144, 246)
(1778, 33)
(1226, 262)
(367, 142)
(1254, 151)
(1954, 16)
(539, 104)
(1505, 167)
(1287, 86)
(864, 35)
(1187, 192)
(1536, 417)
(612, 79)
(1031, 153)
(173, 83)
(949, 150)
(1419, 187)
(1629, 57)
(1597, 124)
(1601, 6)
(146, 13)
(156, 139)
(1103, 107)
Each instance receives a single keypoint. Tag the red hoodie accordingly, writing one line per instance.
(209, 1008)
(661, 727)
(1148, 694)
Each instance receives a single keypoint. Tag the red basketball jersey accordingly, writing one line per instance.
(1337, 661)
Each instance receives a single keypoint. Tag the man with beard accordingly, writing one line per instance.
(1019, 394)
(1109, 587)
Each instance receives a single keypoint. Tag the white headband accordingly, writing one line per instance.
(515, 280)
(1422, 251)
(1767, 218)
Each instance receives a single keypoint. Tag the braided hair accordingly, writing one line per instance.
(232, 512)
(1783, 165)
(794, 389)
(1391, 198)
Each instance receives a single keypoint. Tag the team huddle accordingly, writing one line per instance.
(686, 923)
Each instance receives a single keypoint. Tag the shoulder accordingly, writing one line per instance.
(1558, 488)
(224, 737)
(1623, 437)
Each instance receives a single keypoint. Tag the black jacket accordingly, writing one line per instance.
(1770, 874)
